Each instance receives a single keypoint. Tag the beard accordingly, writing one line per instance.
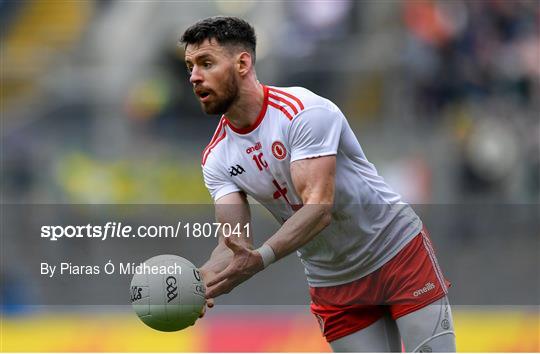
(221, 104)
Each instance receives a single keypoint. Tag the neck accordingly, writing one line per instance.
(244, 112)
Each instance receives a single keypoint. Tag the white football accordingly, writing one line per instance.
(167, 293)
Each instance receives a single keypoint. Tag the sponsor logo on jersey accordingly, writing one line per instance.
(278, 149)
(236, 170)
(428, 287)
(254, 148)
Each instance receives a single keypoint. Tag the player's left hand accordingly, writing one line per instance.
(245, 263)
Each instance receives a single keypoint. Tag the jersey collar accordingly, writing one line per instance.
(260, 117)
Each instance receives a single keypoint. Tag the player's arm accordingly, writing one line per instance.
(234, 257)
(314, 182)
(232, 209)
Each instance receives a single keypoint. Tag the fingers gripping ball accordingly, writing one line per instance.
(167, 293)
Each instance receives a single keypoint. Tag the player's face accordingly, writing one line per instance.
(212, 74)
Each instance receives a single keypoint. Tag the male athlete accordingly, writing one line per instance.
(374, 280)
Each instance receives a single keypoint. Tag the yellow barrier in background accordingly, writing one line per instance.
(477, 331)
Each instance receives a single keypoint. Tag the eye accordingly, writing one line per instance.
(207, 64)
(189, 70)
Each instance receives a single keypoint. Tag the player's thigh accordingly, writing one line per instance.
(428, 329)
(381, 336)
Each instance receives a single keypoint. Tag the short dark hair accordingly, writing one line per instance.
(225, 30)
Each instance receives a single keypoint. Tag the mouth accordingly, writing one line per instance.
(203, 95)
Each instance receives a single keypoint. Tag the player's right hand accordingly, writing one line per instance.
(207, 274)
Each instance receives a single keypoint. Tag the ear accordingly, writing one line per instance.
(244, 63)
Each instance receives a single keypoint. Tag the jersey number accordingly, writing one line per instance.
(259, 161)
(280, 191)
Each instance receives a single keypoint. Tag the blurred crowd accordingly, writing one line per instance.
(473, 50)
(443, 94)
(480, 60)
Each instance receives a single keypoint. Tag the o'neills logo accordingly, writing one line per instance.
(254, 148)
(428, 287)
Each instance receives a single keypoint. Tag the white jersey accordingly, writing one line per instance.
(370, 223)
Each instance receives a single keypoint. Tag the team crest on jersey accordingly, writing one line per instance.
(278, 149)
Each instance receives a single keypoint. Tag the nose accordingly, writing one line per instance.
(196, 77)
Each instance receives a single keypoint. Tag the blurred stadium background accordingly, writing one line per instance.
(96, 108)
